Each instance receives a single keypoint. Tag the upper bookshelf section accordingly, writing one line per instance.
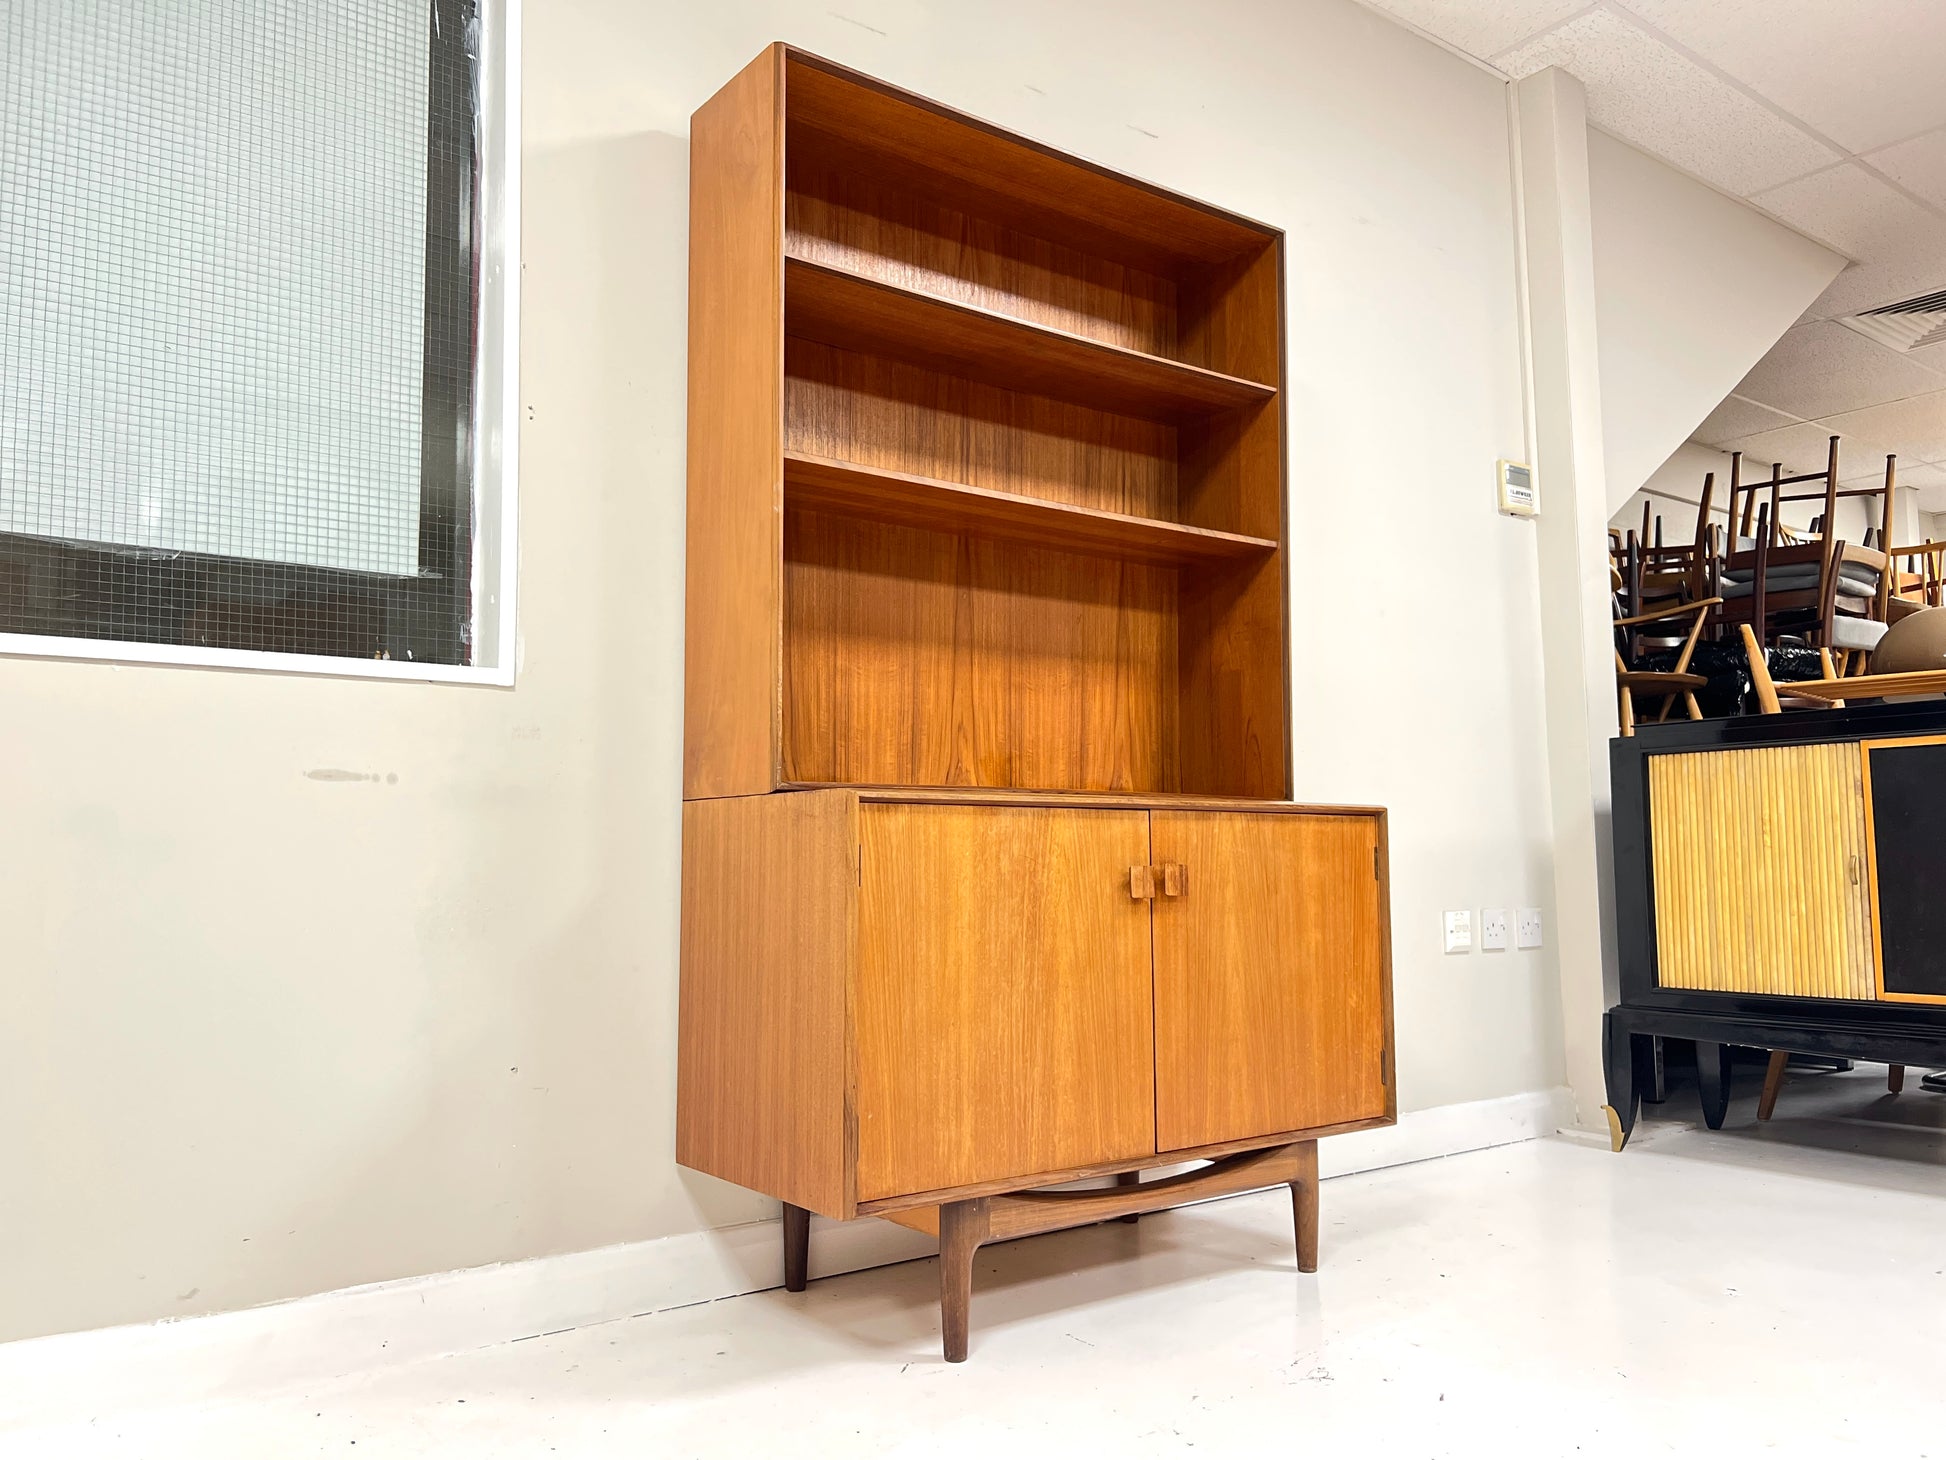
(986, 459)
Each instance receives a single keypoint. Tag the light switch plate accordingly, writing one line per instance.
(1459, 931)
(1493, 929)
(1527, 928)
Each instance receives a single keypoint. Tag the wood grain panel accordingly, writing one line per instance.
(1232, 315)
(839, 211)
(735, 458)
(1760, 861)
(763, 1083)
(930, 659)
(1003, 995)
(890, 414)
(862, 312)
(1270, 980)
(1234, 725)
(1104, 800)
(818, 483)
(1026, 184)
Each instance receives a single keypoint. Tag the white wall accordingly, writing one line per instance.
(272, 1031)
(1692, 289)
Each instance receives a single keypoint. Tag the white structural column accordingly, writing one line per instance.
(1550, 124)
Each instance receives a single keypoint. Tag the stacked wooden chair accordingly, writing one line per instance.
(1758, 579)
(1815, 589)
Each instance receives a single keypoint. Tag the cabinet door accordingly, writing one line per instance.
(1002, 1011)
(1759, 865)
(1907, 809)
(1269, 976)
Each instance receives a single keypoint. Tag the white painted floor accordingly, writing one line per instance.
(1773, 1290)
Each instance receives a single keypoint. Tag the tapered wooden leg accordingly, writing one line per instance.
(1713, 1081)
(1628, 712)
(962, 1228)
(1304, 1208)
(1695, 710)
(797, 1247)
(1129, 1178)
(1773, 1082)
(1895, 1078)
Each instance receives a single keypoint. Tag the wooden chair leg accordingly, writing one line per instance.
(797, 1248)
(1759, 672)
(1129, 1178)
(1695, 710)
(1304, 1209)
(1895, 1079)
(962, 1228)
(1628, 712)
(1773, 1082)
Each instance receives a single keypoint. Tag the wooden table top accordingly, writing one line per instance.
(1867, 686)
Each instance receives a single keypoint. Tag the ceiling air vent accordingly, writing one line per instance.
(1910, 325)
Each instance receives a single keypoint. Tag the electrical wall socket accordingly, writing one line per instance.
(1527, 928)
(1459, 931)
(1493, 929)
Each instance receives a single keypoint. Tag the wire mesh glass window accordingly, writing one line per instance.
(239, 325)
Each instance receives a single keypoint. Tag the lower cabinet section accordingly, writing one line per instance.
(915, 1001)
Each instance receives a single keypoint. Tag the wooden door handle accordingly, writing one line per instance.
(1141, 883)
(1175, 879)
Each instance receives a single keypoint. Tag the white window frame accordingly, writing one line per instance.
(496, 423)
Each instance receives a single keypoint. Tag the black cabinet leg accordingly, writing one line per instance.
(797, 1247)
(1713, 1081)
(1623, 1055)
(1655, 1089)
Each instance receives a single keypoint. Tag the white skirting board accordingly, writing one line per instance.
(333, 1334)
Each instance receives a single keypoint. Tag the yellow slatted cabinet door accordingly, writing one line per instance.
(1002, 1008)
(1269, 976)
(1758, 865)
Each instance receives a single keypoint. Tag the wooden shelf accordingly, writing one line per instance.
(822, 484)
(1084, 800)
(852, 312)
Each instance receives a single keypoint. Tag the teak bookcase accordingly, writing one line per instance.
(990, 878)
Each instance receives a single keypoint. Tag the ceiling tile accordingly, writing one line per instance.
(1867, 286)
(1824, 368)
(1920, 476)
(1799, 449)
(1915, 429)
(1858, 214)
(1932, 356)
(1918, 164)
(1481, 27)
(1739, 417)
(1650, 94)
(1863, 75)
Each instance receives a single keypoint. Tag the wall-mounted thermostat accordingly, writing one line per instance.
(1520, 495)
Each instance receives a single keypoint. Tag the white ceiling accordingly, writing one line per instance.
(1826, 114)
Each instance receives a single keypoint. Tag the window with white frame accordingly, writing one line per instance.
(256, 333)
